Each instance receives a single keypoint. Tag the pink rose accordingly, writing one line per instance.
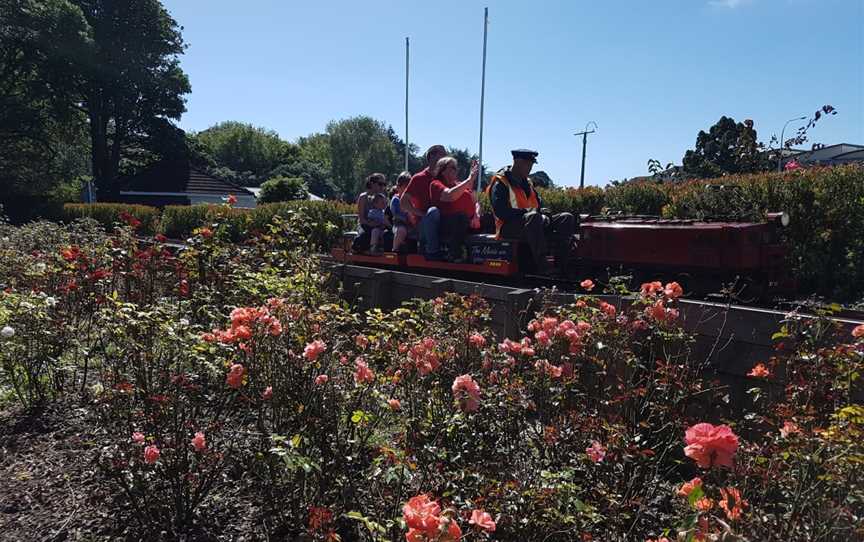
(422, 514)
(151, 454)
(314, 349)
(267, 394)
(138, 438)
(394, 404)
(235, 376)
(759, 371)
(711, 445)
(587, 284)
(687, 487)
(477, 340)
(482, 520)
(320, 380)
(858, 332)
(361, 341)
(198, 442)
(542, 338)
(363, 374)
(673, 290)
(596, 452)
(789, 428)
(466, 392)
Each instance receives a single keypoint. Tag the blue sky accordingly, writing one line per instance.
(650, 74)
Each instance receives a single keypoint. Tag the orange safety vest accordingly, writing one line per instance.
(518, 198)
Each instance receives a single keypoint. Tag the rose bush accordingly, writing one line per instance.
(228, 383)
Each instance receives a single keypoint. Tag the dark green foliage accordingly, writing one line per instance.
(283, 189)
(246, 148)
(316, 177)
(110, 215)
(728, 147)
(541, 179)
(360, 146)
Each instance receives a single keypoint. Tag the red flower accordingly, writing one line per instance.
(673, 290)
(482, 520)
(709, 445)
(759, 371)
(731, 502)
(422, 514)
(588, 284)
(363, 374)
(651, 288)
(858, 332)
(687, 487)
(235, 376)
(467, 393)
(151, 454)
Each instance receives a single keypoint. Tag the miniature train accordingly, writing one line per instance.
(703, 255)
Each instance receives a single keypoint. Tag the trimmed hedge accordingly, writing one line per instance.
(109, 214)
(825, 238)
(178, 221)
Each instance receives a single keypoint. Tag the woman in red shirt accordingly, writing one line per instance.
(456, 202)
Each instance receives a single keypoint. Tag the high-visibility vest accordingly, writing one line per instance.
(518, 198)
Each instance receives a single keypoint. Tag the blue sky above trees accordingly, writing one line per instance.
(650, 74)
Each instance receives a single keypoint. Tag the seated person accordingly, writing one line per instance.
(456, 202)
(378, 221)
(375, 183)
(402, 223)
(417, 204)
(517, 209)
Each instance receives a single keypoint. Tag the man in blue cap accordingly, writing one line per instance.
(517, 207)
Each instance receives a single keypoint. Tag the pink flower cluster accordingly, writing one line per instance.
(711, 445)
(314, 349)
(425, 523)
(244, 320)
(424, 357)
(596, 452)
(858, 332)
(477, 340)
(235, 376)
(549, 328)
(363, 374)
(467, 393)
(198, 442)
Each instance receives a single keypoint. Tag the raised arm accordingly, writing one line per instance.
(455, 192)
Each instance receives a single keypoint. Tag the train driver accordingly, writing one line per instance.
(517, 209)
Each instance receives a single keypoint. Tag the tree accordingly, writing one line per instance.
(42, 133)
(283, 189)
(541, 179)
(415, 162)
(128, 80)
(315, 148)
(359, 146)
(314, 175)
(246, 148)
(728, 147)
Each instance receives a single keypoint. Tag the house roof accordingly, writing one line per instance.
(169, 177)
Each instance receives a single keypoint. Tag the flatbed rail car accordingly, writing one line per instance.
(704, 255)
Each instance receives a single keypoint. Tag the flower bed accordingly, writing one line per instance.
(230, 377)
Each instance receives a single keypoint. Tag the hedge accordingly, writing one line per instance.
(825, 238)
(109, 214)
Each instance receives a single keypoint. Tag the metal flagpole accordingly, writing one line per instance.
(406, 103)
(483, 93)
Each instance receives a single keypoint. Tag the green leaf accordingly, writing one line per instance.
(695, 495)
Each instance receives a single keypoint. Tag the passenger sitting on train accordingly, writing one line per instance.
(402, 223)
(517, 209)
(417, 203)
(376, 183)
(457, 204)
(378, 221)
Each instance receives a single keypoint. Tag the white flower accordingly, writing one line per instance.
(7, 332)
(183, 322)
(41, 267)
(51, 301)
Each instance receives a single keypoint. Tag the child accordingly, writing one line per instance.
(378, 221)
(401, 219)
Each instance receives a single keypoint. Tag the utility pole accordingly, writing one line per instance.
(584, 135)
(783, 143)
(406, 103)
(483, 94)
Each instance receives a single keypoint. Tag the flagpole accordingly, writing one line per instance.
(406, 102)
(483, 93)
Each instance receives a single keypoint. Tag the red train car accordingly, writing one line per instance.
(703, 255)
(706, 251)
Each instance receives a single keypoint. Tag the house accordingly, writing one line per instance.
(179, 183)
(831, 155)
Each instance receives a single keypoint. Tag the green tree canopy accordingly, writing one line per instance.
(314, 175)
(283, 189)
(246, 148)
(359, 146)
(728, 147)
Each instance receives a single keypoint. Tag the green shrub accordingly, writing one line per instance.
(283, 189)
(638, 198)
(110, 214)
